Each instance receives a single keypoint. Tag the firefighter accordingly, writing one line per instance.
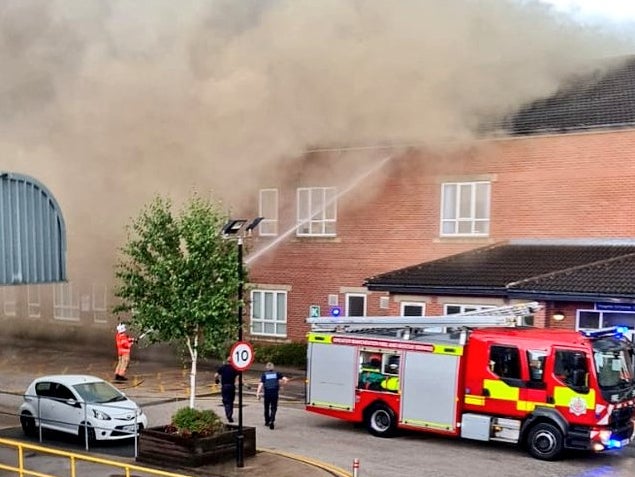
(270, 382)
(226, 377)
(124, 344)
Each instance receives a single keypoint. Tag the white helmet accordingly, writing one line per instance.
(121, 328)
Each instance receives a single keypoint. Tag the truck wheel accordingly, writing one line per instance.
(545, 441)
(381, 421)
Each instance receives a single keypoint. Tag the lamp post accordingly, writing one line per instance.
(236, 227)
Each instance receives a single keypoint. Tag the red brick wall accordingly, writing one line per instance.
(567, 186)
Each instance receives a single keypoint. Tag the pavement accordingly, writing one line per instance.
(160, 386)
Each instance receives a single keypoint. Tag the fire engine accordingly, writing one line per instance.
(481, 375)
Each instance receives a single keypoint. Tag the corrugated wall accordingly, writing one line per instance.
(32, 234)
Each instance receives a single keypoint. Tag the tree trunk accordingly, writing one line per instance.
(193, 348)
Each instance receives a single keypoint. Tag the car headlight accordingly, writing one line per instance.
(101, 415)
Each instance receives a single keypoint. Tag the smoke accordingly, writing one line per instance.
(110, 103)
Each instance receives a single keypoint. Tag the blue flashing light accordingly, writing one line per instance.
(336, 311)
(614, 444)
(622, 329)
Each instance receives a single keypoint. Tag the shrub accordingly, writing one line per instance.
(194, 422)
(282, 354)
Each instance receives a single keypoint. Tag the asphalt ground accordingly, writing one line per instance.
(161, 387)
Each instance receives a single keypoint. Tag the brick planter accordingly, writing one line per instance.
(166, 449)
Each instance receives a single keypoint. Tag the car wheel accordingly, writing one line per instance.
(381, 421)
(545, 441)
(91, 434)
(28, 424)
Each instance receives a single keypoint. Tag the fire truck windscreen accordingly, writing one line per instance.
(614, 363)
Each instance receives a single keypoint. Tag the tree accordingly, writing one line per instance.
(178, 278)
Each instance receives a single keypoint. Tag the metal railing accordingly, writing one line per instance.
(21, 470)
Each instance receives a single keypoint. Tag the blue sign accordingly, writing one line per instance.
(615, 306)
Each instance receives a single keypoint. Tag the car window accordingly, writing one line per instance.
(44, 389)
(62, 393)
(98, 392)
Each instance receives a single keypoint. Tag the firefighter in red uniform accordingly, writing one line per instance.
(124, 343)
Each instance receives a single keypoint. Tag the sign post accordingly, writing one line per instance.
(242, 357)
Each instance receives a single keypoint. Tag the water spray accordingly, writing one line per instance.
(345, 191)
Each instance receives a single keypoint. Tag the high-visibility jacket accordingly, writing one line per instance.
(390, 383)
(124, 343)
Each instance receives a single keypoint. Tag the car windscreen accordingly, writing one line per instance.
(98, 392)
(613, 363)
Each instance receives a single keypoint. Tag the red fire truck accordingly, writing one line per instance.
(546, 389)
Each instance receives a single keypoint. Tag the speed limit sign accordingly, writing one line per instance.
(242, 355)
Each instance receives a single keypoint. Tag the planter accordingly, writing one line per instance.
(158, 447)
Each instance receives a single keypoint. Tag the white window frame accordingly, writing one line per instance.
(33, 301)
(268, 208)
(359, 295)
(601, 315)
(418, 304)
(99, 303)
(65, 302)
(316, 211)
(456, 217)
(257, 303)
(466, 307)
(10, 306)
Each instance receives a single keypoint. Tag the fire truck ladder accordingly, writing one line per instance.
(509, 315)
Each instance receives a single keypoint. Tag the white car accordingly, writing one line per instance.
(76, 403)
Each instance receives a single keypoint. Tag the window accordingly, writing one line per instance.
(571, 368)
(505, 361)
(412, 309)
(65, 303)
(317, 211)
(536, 361)
(465, 208)
(594, 319)
(269, 313)
(33, 301)
(268, 208)
(454, 309)
(10, 301)
(100, 303)
(355, 304)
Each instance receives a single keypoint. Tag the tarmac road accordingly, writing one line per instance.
(161, 390)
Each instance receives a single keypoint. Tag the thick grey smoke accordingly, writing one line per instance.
(111, 102)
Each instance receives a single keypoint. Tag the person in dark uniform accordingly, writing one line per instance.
(270, 382)
(226, 377)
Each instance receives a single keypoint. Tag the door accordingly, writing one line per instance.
(64, 412)
(429, 390)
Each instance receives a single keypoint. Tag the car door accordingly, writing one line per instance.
(65, 413)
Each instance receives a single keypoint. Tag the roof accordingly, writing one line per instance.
(603, 99)
(540, 270)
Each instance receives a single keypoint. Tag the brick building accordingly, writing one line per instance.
(551, 199)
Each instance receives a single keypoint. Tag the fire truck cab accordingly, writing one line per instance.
(546, 389)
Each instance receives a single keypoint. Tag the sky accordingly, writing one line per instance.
(613, 10)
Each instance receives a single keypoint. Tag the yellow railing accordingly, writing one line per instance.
(74, 458)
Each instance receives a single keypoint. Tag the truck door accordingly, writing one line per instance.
(430, 382)
(502, 388)
(332, 376)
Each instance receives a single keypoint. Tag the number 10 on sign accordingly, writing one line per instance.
(242, 355)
